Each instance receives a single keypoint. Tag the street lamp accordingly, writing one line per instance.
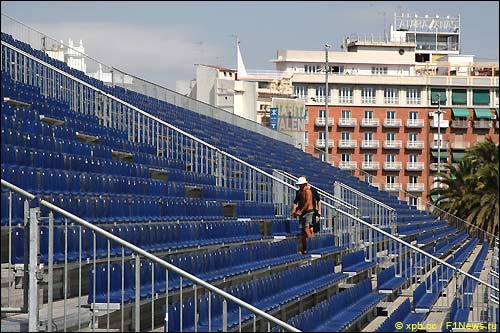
(327, 46)
(439, 113)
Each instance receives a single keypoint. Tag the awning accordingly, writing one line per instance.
(482, 113)
(481, 97)
(460, 112)
(443, 155)
(457, 156)
(459, 96)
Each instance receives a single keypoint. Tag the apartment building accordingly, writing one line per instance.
(392, 113)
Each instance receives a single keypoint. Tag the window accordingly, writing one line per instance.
(412, 158)
(345, 95)
(306, 138)
(413, 136)
(306, 115)
(320, 94)
(391, 158)
(346, 157)
(369, 179)
(390, 136)
(379, 70)
(300, 92)
(311, 68)
(346, 114)
(368, 136)
(368, 158)
(412, 201)
(368, 95)
(322, 113)
(346, 136)
(413, 96)
(413, 115)
(390, 179)
(368, 114)
(413, 179)
(390, 96)
(391, 115)
(321, 135)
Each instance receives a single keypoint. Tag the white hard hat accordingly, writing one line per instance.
(301, 180)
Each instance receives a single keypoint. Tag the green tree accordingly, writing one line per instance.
(471, 187)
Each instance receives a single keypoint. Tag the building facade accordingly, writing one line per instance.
(383, 110)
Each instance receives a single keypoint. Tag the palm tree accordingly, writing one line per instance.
(471, 187)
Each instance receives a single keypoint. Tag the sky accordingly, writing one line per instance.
(161, 41)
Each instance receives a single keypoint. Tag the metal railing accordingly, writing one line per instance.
(34, 219)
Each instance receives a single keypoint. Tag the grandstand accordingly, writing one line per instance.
(123, 210)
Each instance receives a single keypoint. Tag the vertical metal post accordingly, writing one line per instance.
(137, 293)
(33, 325)
(51, 272)
(10, 249)
(224, 316)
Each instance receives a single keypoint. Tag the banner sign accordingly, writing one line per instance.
(291, 114)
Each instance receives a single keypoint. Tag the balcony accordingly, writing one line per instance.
(456, 123)
(347, 144)
(345, 99)
(415, 144)
(347, 165)
(370, 166)
(415, 123)
(482, 124)
(392, 187)
(347, 122)
(414, 101)
(392, 123)
(415, 166)
(443, 124)
(434, 166)
(415, 187)
(390, 100)
(369, 144)
(321, 122)
(393, 144)
(444, 145)
(460, 145)
(321, 143)
(392, 166)
(369, 122)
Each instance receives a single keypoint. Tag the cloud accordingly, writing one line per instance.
(134, 48)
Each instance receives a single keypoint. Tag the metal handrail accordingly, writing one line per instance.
(209, 286)
(144, 113)
(367, 197)
(322, 192)
(151, 257)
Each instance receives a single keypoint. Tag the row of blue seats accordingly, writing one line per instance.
(265, 293)
(72, 182)
(322, 244)
(448, 244)
(210, 265)
(338, 312)
(59, 147)
(281, 227)
(428, 237)
(150, 237)
(355, 262)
